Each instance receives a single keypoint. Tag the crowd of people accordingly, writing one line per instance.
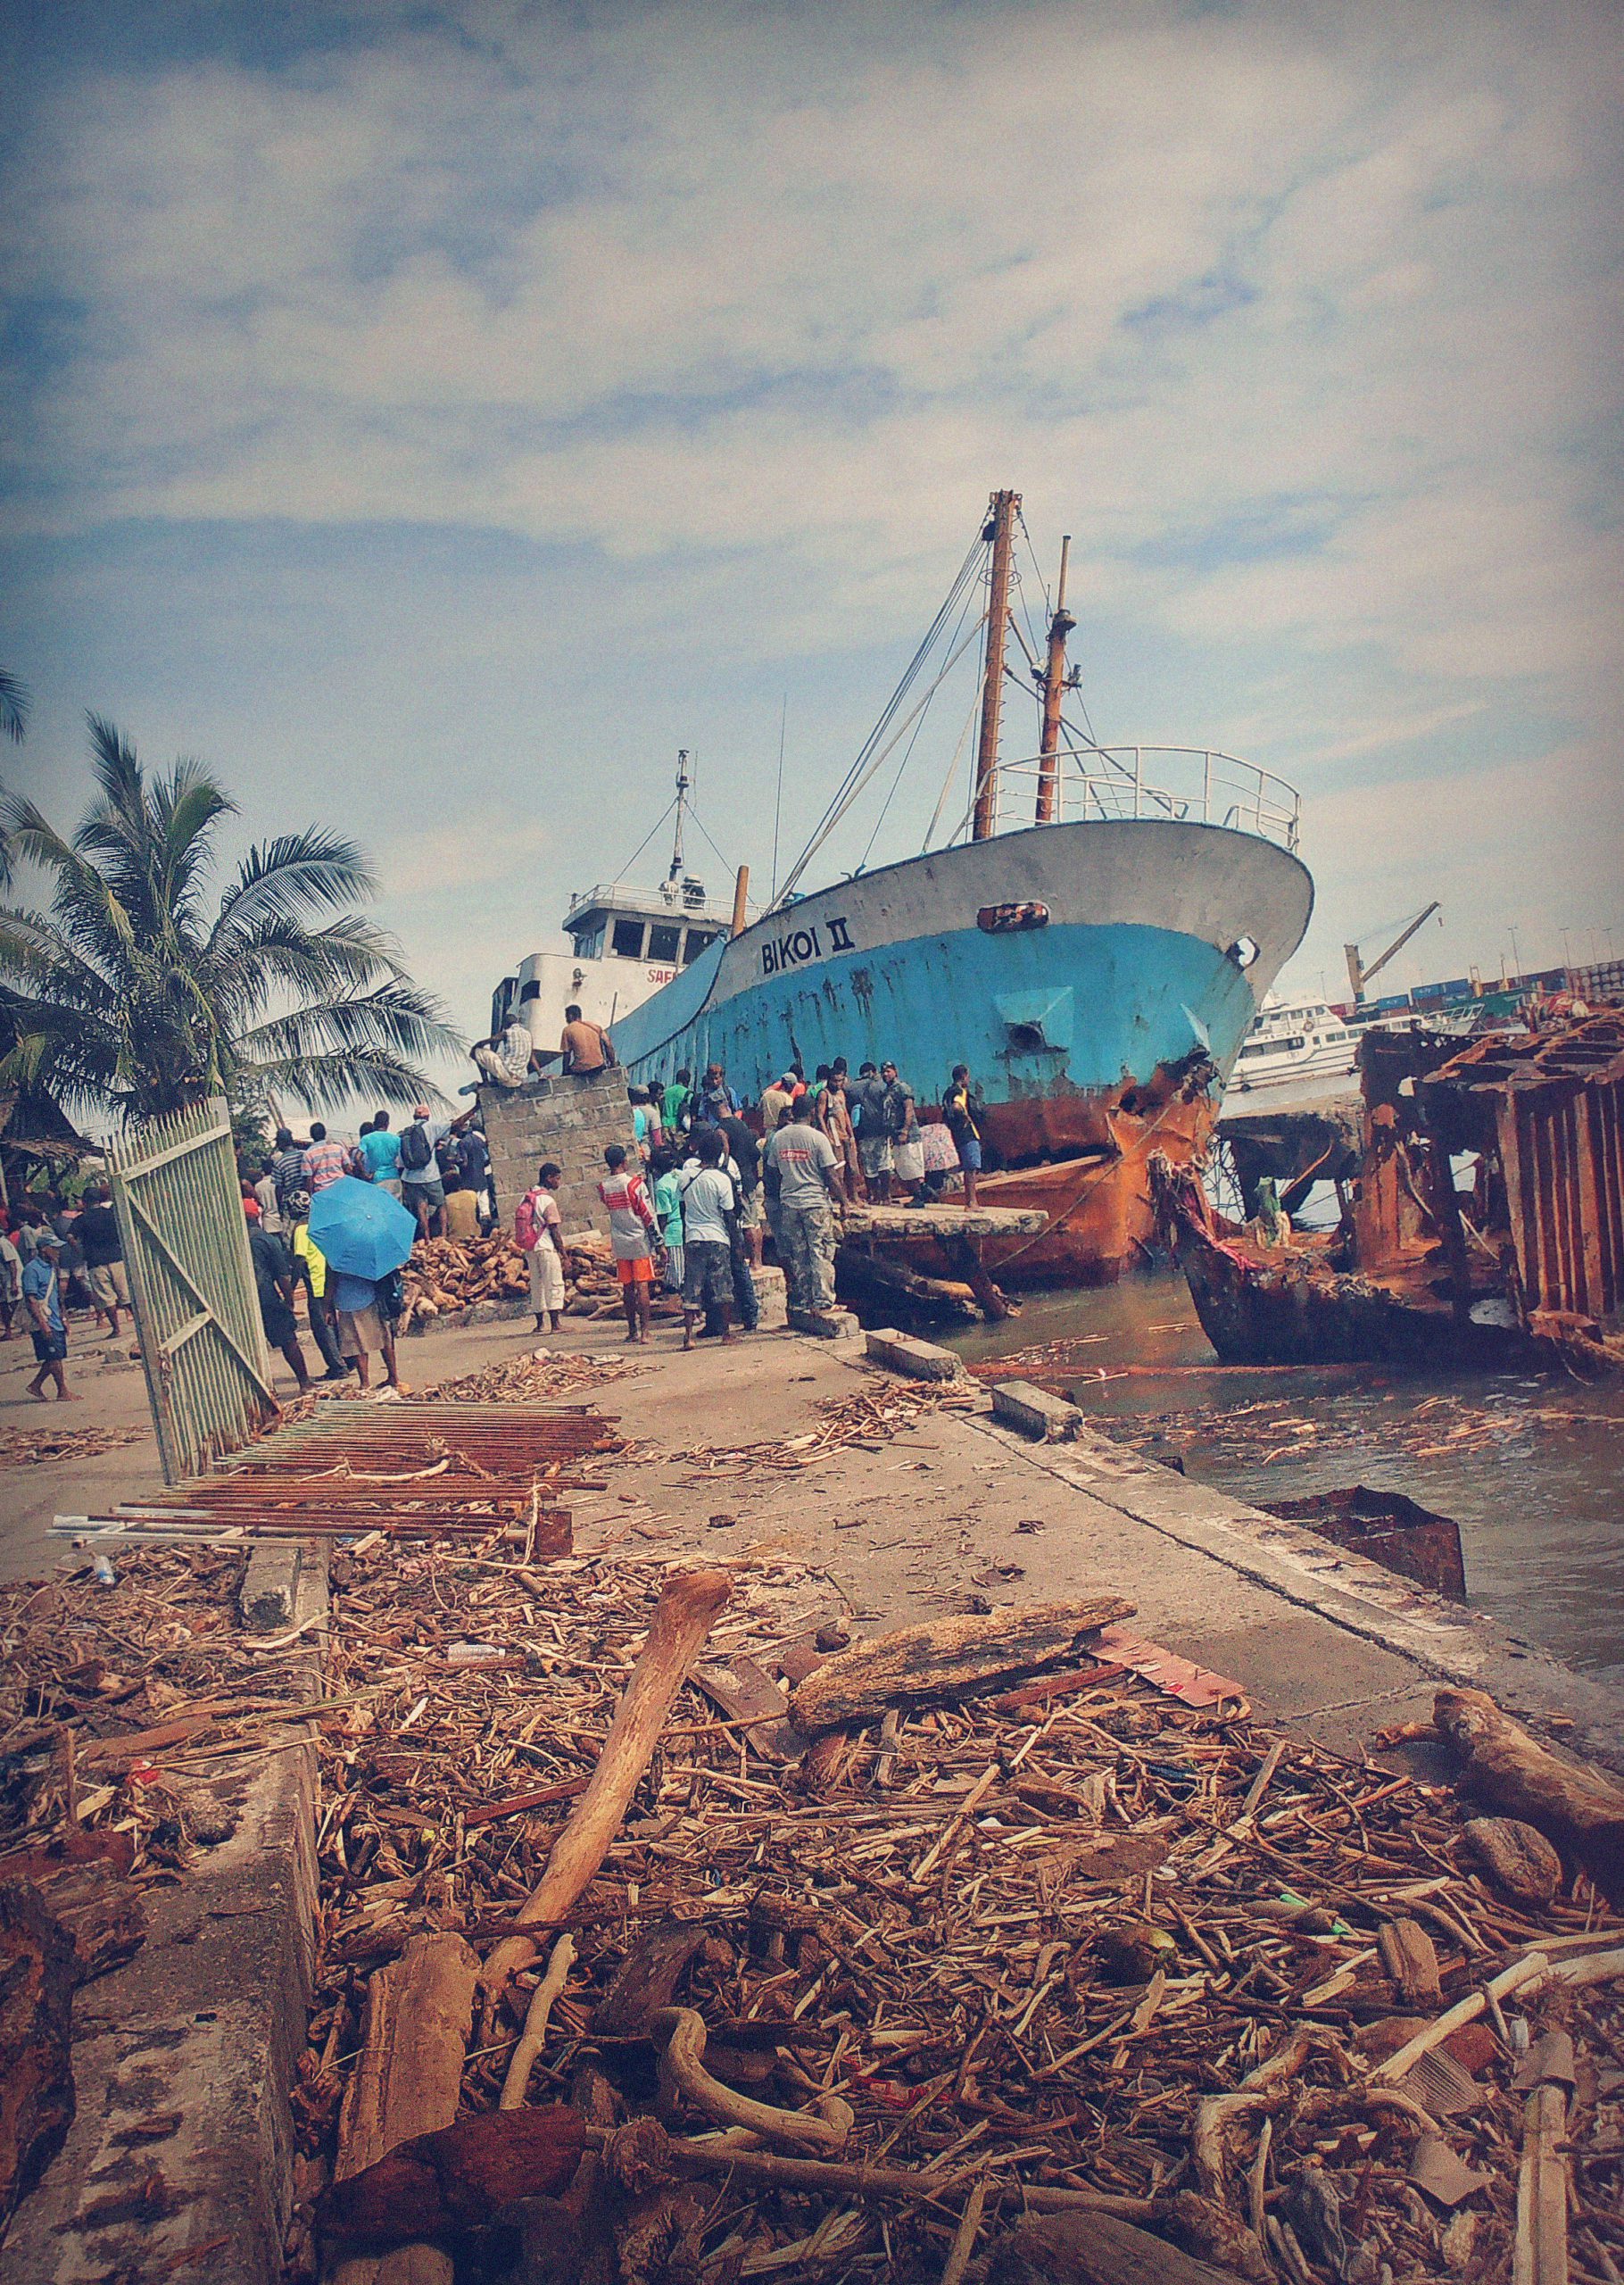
(58, 1254)
(690, 1203)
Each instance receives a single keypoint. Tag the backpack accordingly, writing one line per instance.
(526, 1231)
(416, 1149)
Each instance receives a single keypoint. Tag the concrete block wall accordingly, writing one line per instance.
(565, 1119)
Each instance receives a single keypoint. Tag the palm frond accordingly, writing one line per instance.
(297, 876)
(14, 706)
(329, 1081)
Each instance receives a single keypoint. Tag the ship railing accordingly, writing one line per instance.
(1194, 784)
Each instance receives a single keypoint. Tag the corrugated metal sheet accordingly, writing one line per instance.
(191, 1279)
(1557, 1104)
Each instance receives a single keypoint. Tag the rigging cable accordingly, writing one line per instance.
(818, 839)
(648, 837)
(947, 782)
(859, 771)
(908, 751)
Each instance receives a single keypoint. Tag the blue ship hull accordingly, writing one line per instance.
(1125, 1004)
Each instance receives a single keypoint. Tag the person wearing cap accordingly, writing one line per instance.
(422, 1187)
(42, 1298)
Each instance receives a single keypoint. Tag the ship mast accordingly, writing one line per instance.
(1004, 507)
(1055, 685)
(678, 864)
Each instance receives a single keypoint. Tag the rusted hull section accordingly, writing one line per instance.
(1102, 1213)
(1398, 1533)
(1527, 1267)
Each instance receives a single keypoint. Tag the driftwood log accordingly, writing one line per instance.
(37, 1980)
(437, 2184)
(689, 1607)
(1096, 2249)
(1577, 1808)
(945, 1658)
(414, 2039)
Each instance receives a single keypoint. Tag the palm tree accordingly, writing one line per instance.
(139, 990)
(13, 707)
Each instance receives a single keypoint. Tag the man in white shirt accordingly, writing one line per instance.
(709, 1201)
(802, 1160)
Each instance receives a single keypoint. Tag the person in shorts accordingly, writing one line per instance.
(668, 1207)
(273, 1280)
(363, 1330)
(422, 1184)
(959, 1113)
(537, 1224)
(42, 1298)
(99, 1234)
(634, 1237)
(709, 1205)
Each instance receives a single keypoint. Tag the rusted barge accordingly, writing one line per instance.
(1525, 1268)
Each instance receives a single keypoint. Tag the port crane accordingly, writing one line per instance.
(1359, 975)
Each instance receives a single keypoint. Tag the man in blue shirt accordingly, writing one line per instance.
(43, 1301)
(380, 1154)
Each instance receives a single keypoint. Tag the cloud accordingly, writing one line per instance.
(610, 370)
(452, 857)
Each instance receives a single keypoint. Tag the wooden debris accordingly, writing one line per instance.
(1095, 2249)
(1410, 1957)
(689, 1607)
(39, 1446)
(925, 1950)
(1576, 1807)
(918, 1665)
(1516, 1858)
(434, 2183)
(418, 2014)
(37, 1979)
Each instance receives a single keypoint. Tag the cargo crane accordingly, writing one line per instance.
(1359, 975)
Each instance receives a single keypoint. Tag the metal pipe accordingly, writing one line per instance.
(1054, 693)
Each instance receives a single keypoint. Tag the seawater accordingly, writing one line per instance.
(1531, 1468)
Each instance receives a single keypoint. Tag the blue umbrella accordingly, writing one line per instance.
(361, 1230)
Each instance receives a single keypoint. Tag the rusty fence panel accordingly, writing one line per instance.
(191, 1279)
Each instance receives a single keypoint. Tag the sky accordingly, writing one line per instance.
(433, 416)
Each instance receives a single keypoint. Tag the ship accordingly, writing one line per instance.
(1294, 1039)
(1094, 941)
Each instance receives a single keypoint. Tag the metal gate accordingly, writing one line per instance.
(191, 1278)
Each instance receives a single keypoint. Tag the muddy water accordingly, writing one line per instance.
(1531, 1469)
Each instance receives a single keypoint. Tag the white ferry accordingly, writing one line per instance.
(1294, 1039)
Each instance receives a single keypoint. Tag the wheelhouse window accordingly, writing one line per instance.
(663, 942)
(698, 939)
(627, 942)
(589, 942)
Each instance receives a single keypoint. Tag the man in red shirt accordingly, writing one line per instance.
(634, 1236)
